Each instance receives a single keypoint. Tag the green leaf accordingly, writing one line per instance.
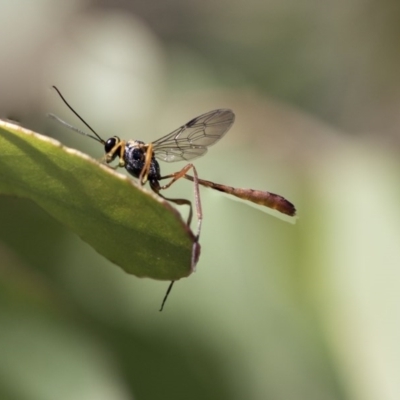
(124, 222)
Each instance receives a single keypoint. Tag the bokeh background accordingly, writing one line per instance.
(275, 310)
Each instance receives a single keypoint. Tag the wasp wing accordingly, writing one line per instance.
(192, 139)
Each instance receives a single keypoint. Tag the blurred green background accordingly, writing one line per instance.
(275, 310)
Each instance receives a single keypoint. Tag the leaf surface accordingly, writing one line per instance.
(124, 222)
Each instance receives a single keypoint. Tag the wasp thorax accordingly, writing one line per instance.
(137, 143)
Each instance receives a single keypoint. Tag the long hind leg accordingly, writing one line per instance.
(182, 174)
(196, 246)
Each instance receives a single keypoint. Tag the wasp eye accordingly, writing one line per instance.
(110, 144)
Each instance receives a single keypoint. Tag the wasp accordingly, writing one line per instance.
(186, 143)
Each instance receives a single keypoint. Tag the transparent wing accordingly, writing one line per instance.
(192, 139)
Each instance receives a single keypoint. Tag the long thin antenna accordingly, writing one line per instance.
(98, 138)
(73, 128)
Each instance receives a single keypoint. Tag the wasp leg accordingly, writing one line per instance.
(155, 185)
(179, 202)
(144, 173)
(174, 177)
(181, 174)
(166, 295)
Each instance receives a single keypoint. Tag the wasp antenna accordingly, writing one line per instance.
(98, 138)
(69, 126)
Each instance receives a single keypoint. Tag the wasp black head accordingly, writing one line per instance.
(111, 143)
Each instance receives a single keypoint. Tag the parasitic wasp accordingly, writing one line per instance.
(183, 144)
